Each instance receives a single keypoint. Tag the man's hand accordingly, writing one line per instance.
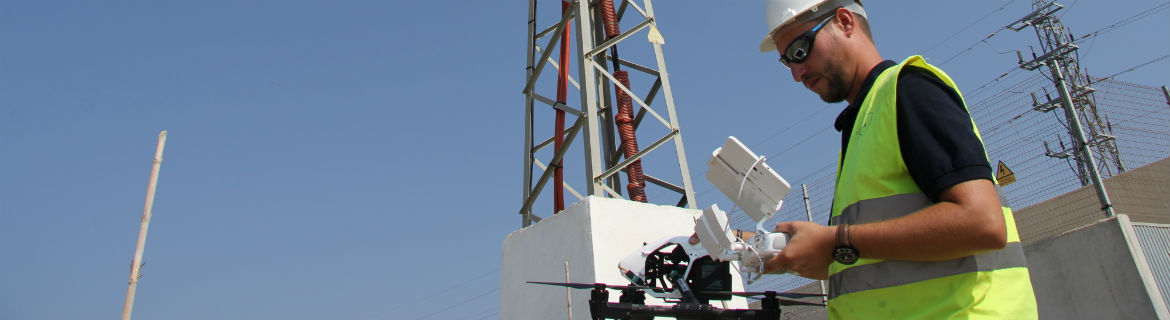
(808, 253)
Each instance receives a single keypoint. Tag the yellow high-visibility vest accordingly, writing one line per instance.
(873, 185)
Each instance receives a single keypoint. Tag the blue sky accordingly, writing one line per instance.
(362, 159)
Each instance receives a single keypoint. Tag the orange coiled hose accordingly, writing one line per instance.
(625, 126)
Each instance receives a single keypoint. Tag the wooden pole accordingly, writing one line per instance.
(568, 292)
(136, 265)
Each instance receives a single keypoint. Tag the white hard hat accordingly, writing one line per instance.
(784, 12)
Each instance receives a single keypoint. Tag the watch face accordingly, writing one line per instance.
(845, 255)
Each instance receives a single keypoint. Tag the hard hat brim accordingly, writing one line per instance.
(854, 6)
(767, 45)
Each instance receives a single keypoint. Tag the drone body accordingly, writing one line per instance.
(676, 270)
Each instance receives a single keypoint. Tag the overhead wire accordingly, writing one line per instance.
(1122, 22)
(1163, 57)
(453, 305)
(432, 295)
(491, 311)
(972, 46)
(778, 133)
(489, 316)
(1093, 35)
(972, 24)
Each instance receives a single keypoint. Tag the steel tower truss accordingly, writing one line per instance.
(1059, 53)
(595, 112)
(1086, 129)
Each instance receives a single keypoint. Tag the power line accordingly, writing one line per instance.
(488, 316)
(491, 311)
(979, 89)
(432, 295)
(806, 139)
(967, 27)
(1133, 68)
(453, 305)
(973, 45)
(1126, 21)
(793, 126)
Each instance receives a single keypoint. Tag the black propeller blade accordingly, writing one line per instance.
(783, 302)
(795, 295)
(589, 285)
(786, 302)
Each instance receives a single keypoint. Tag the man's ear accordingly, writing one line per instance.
(848, 23)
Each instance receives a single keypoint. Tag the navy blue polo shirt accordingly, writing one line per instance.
(935, 134)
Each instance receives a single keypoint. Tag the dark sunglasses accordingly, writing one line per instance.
(799, 49)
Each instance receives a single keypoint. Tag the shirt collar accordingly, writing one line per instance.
(847, 116)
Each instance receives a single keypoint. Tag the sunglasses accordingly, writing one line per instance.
(799, 49)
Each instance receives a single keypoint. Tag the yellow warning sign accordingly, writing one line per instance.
(1004, 175)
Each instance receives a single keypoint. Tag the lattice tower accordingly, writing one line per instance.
(608, 90)
(1058, 51)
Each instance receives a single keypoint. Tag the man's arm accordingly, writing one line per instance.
(968, 219)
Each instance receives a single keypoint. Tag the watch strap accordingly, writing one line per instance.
(843, 236)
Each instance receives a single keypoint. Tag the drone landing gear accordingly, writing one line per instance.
(631, 306)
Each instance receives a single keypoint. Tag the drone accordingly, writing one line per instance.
(631, 304)
(692, 275)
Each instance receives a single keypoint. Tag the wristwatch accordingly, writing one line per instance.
(845, 253)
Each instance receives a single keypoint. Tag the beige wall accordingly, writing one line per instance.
(1142, 193)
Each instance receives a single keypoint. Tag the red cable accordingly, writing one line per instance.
(562, 92)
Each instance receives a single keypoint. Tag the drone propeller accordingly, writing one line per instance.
(590, 285)
(783, 302)
(795, 295)
(787, 302)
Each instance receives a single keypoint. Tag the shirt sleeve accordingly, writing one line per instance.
(937, 140)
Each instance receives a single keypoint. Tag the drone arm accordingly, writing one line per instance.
(681, 311)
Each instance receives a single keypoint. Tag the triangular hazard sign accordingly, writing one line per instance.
(1004, 175)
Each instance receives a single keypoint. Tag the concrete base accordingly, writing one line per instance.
(1097, 272)
(591, 236)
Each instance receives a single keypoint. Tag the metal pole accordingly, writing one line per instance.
(1167, 93)
(1079, 136)
(807, 206)
(529, 109)
(588, 80)
(808, 211)
(688, 188)
(136, 265)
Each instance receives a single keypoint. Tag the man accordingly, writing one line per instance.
(917, 228)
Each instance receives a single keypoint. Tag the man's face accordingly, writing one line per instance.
(821, 71)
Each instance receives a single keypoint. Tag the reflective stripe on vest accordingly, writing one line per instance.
(882, 274)
(888, 273)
